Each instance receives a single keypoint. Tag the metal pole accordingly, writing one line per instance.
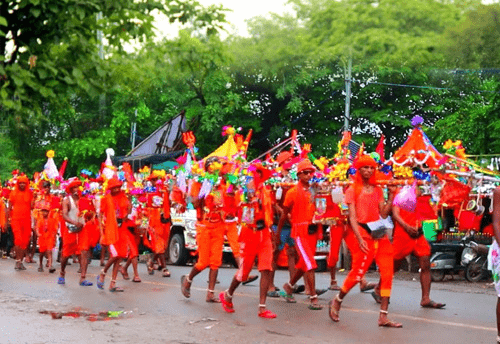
(348, 81)
(134, 129)
(102, 97)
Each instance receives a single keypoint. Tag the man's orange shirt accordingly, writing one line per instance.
(367, 204)
(301, 205)
(21, 204)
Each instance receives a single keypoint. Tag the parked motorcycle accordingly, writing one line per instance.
(475, 261)
(446, 258)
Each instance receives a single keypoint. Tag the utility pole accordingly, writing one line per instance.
(348, 81)
(102, 96)
(133, 130)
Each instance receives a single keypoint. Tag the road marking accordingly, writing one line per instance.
(356, 310)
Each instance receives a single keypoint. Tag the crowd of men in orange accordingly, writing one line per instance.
(257, 220)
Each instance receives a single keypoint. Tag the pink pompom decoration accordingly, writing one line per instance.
(406, 199)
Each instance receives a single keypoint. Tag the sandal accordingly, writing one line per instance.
(136, 279)
(165, 273)
(40, 269)
(435, 305)
(273, 293)
(185, 290)
(314, 306)
(86, 283)
(212, 299)
(287, 297)
(377, 297)
(267, 314)
(332, 311)
(151, 270)
(227, 305)
(52, 269)
(100, 284)
(115, 289)
(250, 279)
(367, 287)
(124, 273)
(334, 286)
(389, 323)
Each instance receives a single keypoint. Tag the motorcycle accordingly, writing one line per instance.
(475, 261)
(446, 258)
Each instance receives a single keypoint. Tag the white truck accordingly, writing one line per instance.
(182, 245)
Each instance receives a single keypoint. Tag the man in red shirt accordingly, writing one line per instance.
(408, 239)
(299, 205)
(366, 204)
(255, 238)
(19, 215)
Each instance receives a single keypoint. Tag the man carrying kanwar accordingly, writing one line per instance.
(21, 203)
(255, 237)
(115, 208)
(210, 229)
(299, 205)
(366, 204)
(74, 233)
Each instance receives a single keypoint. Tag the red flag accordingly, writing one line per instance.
(62, 169)
(381, 148)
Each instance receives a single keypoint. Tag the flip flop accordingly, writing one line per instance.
(213, 299)
(267, 314)
(185, 290)
(116, 289)
(368, 287)
(334, 287)
(392, 324)
(137, 279)
(61, 280)
(124, 274)
(99, 284)
(165, 273)
(86, 283)
(315, 307)
(228, 306)
(299, 289)
(40, 269)
(273, 293)
(333, 312)
(52, 270)
(250, 280)
(435, 305)
(377, 297)
(287, 297)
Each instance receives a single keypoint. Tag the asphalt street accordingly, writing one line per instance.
(157, 312)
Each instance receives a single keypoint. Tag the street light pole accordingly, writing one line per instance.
(348, 81)
(102, 96)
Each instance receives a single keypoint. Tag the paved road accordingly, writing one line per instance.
(160, 314)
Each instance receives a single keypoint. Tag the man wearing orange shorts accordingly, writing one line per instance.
(115, 208)
(366, 204)
(20, 205)
(408, 239)
(209, 234)
(300, 205)
(255, 238)
(74, 234)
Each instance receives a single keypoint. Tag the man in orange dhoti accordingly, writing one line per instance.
(20, 205)
(115, 207)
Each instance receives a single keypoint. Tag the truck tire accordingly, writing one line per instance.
(177, 253)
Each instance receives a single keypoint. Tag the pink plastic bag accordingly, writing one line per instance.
(406, 199)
